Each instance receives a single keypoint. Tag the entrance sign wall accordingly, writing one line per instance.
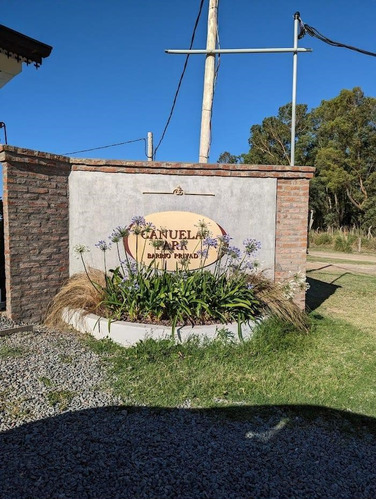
(100, 201)
(52, 203)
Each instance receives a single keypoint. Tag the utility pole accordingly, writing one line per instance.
(150, 146)
(294, 77)
(208, 94)
(210, 54)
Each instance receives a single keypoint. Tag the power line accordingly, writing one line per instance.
(305, 28)
(108, 146)
(180, 79)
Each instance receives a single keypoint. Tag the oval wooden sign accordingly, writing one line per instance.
(173, 240)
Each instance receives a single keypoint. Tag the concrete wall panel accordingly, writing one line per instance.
(99, 201)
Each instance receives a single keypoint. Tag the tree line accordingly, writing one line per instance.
(339, 139)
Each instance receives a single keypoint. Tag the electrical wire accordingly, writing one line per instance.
(180, 80)
(108, 146)
(305, 28)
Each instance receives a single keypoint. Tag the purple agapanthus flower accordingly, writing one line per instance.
(131, 267)
(138, 220)
(233, 252)
(120, 231)
(251, 246)
(248, 265)
(103, 245)
(224, 239)
(114, 237)
(135, 285)
(203, 253)
(149, 226)
(210, 242)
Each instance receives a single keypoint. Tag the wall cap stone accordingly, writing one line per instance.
(8, 152)
(152, 166)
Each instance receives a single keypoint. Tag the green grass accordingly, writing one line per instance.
(61, 398)
(345, 295)
(333, 366)
(47, 382)
(11, 352)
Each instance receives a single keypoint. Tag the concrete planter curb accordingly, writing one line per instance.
(128, 334)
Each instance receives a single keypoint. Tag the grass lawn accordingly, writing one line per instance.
(332, 366)
(341, 294)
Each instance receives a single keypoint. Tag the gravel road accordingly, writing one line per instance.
(358, 257)
(65, 435)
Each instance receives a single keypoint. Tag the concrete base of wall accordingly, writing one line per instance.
(128, 334)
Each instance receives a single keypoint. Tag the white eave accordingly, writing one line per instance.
(9, 67)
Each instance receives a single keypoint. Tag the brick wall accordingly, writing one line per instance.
(36, 218)
(291, 230)
(36, 238)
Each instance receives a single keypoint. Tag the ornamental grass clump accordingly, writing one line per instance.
(229, 290)
(84, 291)
(275, 299)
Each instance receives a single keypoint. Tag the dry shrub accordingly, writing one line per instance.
(273, 301)
(77, 293)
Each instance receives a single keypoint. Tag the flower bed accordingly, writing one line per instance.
(146, 292)
(139, 295)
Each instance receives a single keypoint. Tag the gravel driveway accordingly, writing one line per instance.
(64, 435)
(362, 263)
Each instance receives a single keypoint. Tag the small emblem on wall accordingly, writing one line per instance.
(174, 240)
(178, 191)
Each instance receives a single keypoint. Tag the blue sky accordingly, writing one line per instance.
(108, 79)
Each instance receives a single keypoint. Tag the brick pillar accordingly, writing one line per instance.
(291, 230)
(36, 230)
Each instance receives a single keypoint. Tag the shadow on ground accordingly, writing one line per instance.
(236, 452)
(318, 292)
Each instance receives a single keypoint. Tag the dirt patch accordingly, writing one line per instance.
(328, 261)
(344, 256)
(354, 268)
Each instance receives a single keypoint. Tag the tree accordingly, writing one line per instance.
(270, 142)
(344, 132)
(227, 157)
(339, 139)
